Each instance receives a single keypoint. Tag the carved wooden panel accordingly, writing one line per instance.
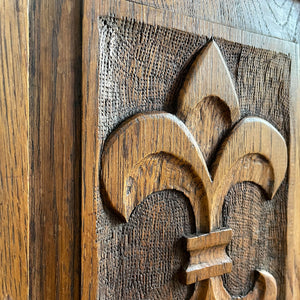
(193, 136)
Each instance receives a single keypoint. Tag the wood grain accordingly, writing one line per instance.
(138, 138)
(293, 220)
(271, 146)
(211, 112)
(163, 216)
(55, 76)
(208, 257)
(91, 145)
(265, 289)
(14, 165)
(120, 154)
(208, 76)
(151, 134)
(279, 19)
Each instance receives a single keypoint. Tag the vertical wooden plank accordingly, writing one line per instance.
(55, 91)
(90, 146)
(293, 217)
(14, 150)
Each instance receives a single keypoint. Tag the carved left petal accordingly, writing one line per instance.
(138, 138)
(253, 136)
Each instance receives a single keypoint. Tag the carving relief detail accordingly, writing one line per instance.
(157, 151)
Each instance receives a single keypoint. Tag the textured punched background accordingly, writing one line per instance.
(140, 69)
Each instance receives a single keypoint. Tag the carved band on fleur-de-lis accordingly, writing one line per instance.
(156, 151)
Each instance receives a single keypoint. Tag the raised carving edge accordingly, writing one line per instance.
(208, 257)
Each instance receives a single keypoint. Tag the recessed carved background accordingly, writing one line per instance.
(142, 257)
(141, 68)
(246, 209)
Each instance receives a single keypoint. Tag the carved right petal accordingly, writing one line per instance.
(253, 135)
(139, 137)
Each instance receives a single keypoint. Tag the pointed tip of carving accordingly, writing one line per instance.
(212, 43)
(208, 76)
(126, 216)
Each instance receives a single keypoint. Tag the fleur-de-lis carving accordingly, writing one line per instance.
(156, 151)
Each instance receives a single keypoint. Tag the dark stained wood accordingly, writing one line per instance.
(40, 126)
(90, 144)
(14, 161)
(253, 101)
(55, 122)
(155, 151)
(138, 254)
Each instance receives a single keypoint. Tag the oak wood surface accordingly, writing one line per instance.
(14, 161)
(91, 146)
(55, 122)
(293, 219)
(242, 157)
(40, 129)
(265, 288)
(208, 257)
(208, 76)
(279, 19)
